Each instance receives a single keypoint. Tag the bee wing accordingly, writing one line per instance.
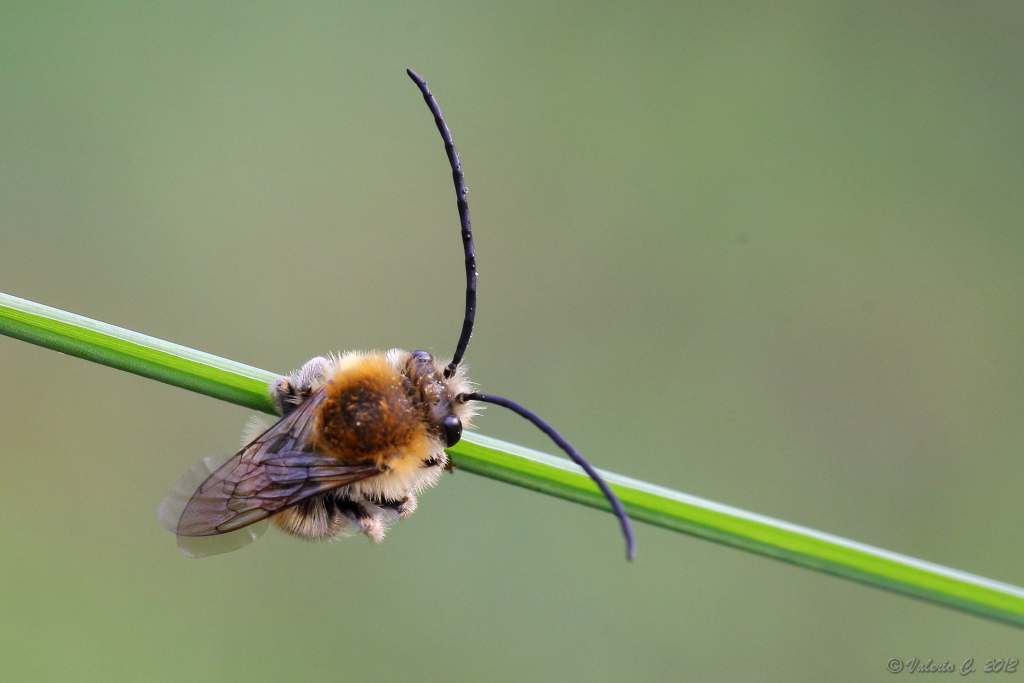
(219, 512)
(174, 504)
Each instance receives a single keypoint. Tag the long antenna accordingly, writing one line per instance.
(467, 233)
(620, 512)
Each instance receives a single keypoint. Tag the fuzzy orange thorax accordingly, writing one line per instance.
(367, 413)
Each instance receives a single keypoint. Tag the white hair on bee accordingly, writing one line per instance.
(254, 426)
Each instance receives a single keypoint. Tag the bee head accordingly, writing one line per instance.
(437, 395)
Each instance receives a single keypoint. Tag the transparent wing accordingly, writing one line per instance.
(174, 504)
(277, 470)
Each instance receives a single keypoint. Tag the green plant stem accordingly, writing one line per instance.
(247, 386)
(137, 353)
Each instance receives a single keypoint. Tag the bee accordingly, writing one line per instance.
(360, 436)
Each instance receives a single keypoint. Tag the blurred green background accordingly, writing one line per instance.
(765, 254)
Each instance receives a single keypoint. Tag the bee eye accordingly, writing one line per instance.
(452, 431)
(422, 357)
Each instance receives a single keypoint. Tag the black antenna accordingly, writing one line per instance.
(467, 234)
(620, 512)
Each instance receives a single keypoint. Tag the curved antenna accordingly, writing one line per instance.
(467, 234)
(620, 512)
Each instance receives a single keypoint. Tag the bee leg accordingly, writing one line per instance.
(373, 528)
(312, 371)
(291, 390)
(363, 518)
(403, 508)
(436, 461)
(439, 460)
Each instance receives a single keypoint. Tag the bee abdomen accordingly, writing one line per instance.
(317, 518)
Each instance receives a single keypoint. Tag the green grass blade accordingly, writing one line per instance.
(136, 353)
(247, 386)
(746, 530)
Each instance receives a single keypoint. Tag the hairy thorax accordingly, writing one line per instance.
(367, 413)
(384, 408)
